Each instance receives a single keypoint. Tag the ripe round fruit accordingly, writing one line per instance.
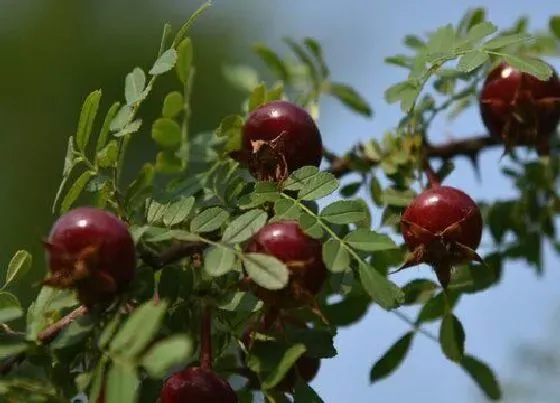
(520, 109)
(302, 254)
(92, 251)
(442, 227)
(278, 138)
(197, 385)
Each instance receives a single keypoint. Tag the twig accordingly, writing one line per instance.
(470, 147)
(416, 327)
(45, 337)
(175, 252)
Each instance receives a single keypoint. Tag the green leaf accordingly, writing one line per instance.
(122, 118)
(122, 384)
(209, 220)
(481, 373)
(104, 132)
(87, 117)
(291, 355)
(75, 191)
(183, 65)
(396, 197)
(381, 290)
(141, 186)
(344, 212)
(19, 265)
(452, 337)
(287, 209)
(129, 129)
(108, 156)
(166, 354)
(134, 86)
(472, 60)
(10, 345)
(164, 63)
(472, 17)
(172, 104)
(10, 308)
(219, 260)
(537, 68)
(414, 42)
(441, 42)
(257, 97)
(419, 291)
(244, 226)
(375, 190)
(167, 162)
(316, 50)
(369, 241)
(392, 359)
(108, 332)
(177, 212)
(69, 163)
(296, 180)
(311, 225)
(405, 92)
(74, 333)
(350, 98)
(479, 31)
(303, 393)
(335, 256)
(98, 379)
(182, 33)
(502, 41)
(350, 189)
(318, 186)
(554, 25)
(305, 58)
(138, 330)
(266, 271)
(435, 307)
(272, 60)
(263, 192)
(166, 133)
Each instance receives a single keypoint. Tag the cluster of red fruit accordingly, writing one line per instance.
(91, 251)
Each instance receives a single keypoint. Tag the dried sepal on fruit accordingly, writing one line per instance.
(278, 138)
(520, 109)
(442, 227)
(90, 250)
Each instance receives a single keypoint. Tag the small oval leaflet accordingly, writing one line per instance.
(266, 271)
(219, 260)
(209, 220)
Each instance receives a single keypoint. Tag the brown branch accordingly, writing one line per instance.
(174, 253)
(45, 337)
(470, 147)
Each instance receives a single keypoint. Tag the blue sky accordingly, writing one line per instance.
(356, 36)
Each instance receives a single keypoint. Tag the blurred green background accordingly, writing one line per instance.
(53, 54)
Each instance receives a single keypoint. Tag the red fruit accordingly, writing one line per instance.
(442, 227)
(197, 385)
(278, 138)
(302, 254)
(520, 109)
(90, 250)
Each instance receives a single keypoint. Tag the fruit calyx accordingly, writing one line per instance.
(278, 138)
(90, 250)
(520, 109)
(197, 385)
(286, 241)
(442, 227)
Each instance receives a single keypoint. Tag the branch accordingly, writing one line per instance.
(175, 252)
(470, 147)
(45, 337)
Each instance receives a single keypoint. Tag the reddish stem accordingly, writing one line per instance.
(45, 337)
(206, 337)
(433, 179)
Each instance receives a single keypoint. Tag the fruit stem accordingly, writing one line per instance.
(433, 179)
(206, 336)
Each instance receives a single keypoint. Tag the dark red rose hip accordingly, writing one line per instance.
(92, 251)
(287, 242)
(278, 138)
(197, 385)
(442, 227)
(520, 109)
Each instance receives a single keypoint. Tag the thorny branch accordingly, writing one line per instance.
(45, 337)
